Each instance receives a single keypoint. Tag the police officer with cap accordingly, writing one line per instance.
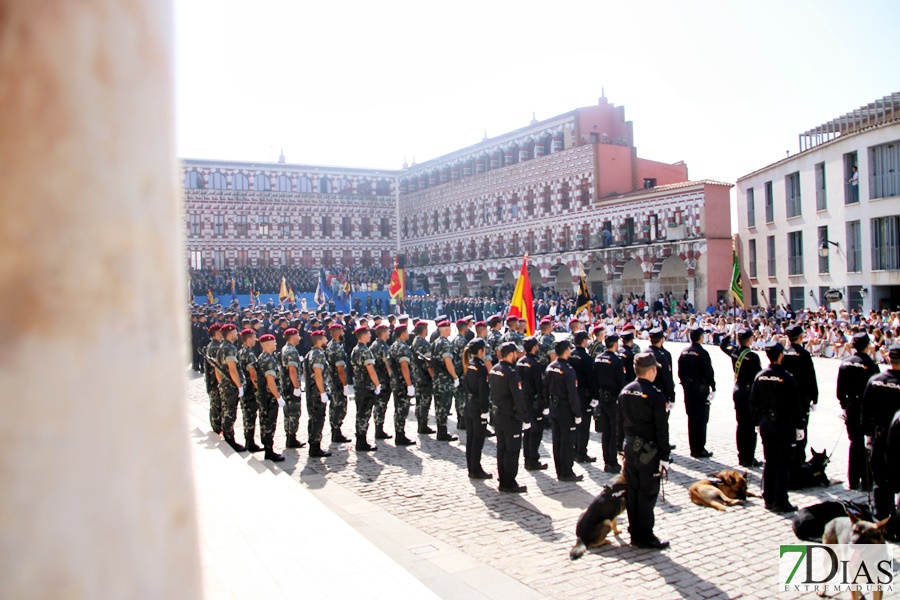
(776, 405)
(531, 371)
(561, 385)
(695, 371)
(609, 379)
(746, 365)
(477, 406)
(626, 355)
(798, 361)
(881, 401)
(853, 376)
(647, 449)
(511, 414)
(584, 373)
(665, 378)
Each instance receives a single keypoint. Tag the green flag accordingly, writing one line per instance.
(737, 286)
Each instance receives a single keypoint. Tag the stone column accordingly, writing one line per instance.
(97, 497)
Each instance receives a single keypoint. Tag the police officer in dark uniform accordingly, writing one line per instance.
(892, 457)
(584, 374)
(609, 379)
(880, 403)
(511, 414)
(776, 404)
(798, 361)
(560, 382)
(665, 377)
(853, 375)
(647, 450)
(477, 406)
(626, 355)
(746, 365)
(695, 371)
(531, 372)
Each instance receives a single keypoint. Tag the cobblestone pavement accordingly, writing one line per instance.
(713, 554)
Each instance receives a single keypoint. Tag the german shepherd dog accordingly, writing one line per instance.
(811, 473)
(601, 517)
(809, 523)
(853, 530)
(725, 488)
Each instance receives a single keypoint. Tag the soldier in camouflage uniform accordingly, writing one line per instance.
(231, 385)
(446, 380)
(546, 353)
(598, 344)
(269, 396)
(211, 369)
(340, 377)
(249, 403)
(402, 382)
(481, 331)
(423, 375)
(291, 387)
(318, 387)
(458, 344)
(366, 386)
(381, 350)
(513, 334)
(493, 338)
(575, 325)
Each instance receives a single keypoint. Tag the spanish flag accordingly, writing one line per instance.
(398, 282)
(291, 295)
(210, 298)
(283, 293)
(522, 303)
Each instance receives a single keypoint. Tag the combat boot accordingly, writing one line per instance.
(293, 442)
(424, 428)
(271, 455)
(381, 434)
(461, 424)
(315, 451)
(363, 446)
(337, 436)
(251, 445)
(402, 440)
(229, 439)
(443, 436)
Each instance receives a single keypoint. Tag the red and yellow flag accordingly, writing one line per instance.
(522, 303)
(398, 283)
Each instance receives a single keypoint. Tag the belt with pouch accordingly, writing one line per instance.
(646, 451)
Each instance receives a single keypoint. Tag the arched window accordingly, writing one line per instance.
(499, 210)
(324, 185)
(305, 185)
(218, 181)
(383, 188)
(344, 186)
(240, 182)
(193, 180)
(283, 183)
(364, 187)
(263, 183)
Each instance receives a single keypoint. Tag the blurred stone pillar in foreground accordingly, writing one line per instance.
(96, 497)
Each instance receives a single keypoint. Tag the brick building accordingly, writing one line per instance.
(570, 190)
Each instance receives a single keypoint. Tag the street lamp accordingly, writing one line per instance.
(823, 248)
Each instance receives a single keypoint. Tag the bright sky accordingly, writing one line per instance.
(724, 86)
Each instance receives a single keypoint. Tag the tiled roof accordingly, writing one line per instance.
(661, 189)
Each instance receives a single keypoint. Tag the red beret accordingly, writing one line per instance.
(361, 329)
(266, 337)
(480, 324)
(382, 326)
(317, 333)
(291, 331)
(400, 327)
(444, 324)
(420, 325)
(628, 326)
(462, 323)
(598, 328)
(228, 327)
(574, 320)
(547, 321)
(511, 318)
(336, 325)
(247, 332)
(215, 327)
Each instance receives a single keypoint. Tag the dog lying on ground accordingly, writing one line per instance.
(725, 488)
(600, 518)
(809, 522)
(811, 473)
(853, 530)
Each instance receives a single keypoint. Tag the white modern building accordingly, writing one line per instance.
(808, 223)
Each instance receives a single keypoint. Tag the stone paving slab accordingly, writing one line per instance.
(713, 554)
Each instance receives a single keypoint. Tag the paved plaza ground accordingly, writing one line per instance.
(464, 539)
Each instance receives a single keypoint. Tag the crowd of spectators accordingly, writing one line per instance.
(267, 280)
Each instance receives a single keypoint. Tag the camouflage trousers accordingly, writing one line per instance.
(292, 411)
(459, 395)
(337, 410)
(316, 417)
(268, 417)
(401, 410)
(215, 407)
(229, 398)
(365, 402)
(381, 403)
(249, 408)
(423, 403)
(443, 401)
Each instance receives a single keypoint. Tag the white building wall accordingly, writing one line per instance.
(836, 215)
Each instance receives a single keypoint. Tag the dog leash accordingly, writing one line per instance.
(663, 478)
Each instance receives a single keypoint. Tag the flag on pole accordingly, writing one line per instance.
(210, 297)
(737, 285)
(320, 297)
(398, 283)
(583, 302)
(283, 292)
(233, 292)
(291, 295)
(522, 303)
